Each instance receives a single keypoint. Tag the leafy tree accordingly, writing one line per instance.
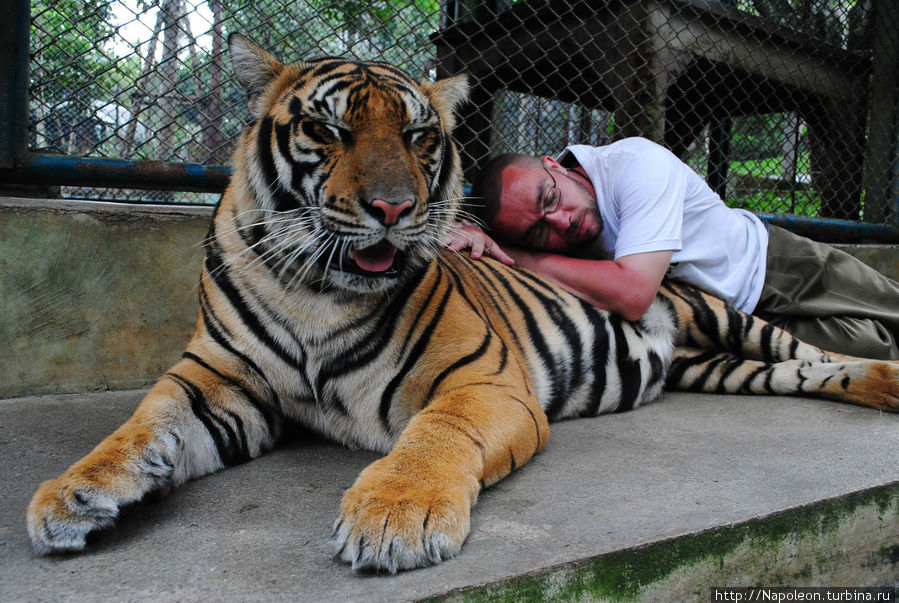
(69, 69)
(173, 96)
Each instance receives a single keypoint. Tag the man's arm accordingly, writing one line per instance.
(626, 286)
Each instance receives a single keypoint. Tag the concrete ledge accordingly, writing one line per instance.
(100, 296)
(95, 295)
(658, 504)
(883, 258)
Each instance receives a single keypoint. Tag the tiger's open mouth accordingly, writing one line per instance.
(381, 259)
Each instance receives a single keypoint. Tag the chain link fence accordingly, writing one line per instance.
(785, 106)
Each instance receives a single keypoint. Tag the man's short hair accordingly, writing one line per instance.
(487, 187)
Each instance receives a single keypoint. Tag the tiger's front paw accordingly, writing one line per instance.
(62, 514)
(389, 521)
(89, 495)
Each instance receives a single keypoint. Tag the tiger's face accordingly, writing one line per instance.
(352, 174)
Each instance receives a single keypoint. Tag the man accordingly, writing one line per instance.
(654, 217)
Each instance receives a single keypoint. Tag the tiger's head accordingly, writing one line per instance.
(348, 172)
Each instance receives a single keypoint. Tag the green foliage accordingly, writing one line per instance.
(760, 136)
(76, 59)
(394, 32)
(71, 56)
(92, 94)
(827, 20)
(766, 166)
(800, 203)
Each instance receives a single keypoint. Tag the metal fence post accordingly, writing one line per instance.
(883, 126)
(14, 54)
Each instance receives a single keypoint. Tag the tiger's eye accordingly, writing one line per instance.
(419, 136)
(325, 133)
(318, 132)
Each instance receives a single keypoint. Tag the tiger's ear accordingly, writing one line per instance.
(254, 67)
(447, 95)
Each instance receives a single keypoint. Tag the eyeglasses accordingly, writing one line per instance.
(551, 198)
(549, 202)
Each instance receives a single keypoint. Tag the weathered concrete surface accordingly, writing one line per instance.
(884, 258)
(658, 504)
(102, 296)
(95, 295)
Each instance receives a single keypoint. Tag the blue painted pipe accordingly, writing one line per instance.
(48, 169)
(834, 231)
(197, 177)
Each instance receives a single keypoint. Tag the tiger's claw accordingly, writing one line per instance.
(399, 523)
(89, 496)
(60, 517)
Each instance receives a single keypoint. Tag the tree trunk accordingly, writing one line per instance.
(126, 143)
(212, 116)
(790, 147)
(168, 70)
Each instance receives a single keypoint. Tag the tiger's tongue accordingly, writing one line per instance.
(376, 258)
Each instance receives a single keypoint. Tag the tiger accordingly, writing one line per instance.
(327, 300)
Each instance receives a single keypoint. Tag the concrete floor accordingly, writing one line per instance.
(682, 466)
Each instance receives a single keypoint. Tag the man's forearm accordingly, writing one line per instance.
(602, 283)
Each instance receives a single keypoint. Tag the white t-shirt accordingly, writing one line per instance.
(650, 200)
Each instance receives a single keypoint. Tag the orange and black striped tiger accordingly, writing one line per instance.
(326, 300)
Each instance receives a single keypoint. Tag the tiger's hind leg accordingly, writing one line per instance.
(193, 422)
(871, 383)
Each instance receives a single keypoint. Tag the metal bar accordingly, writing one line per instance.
(835, 231)
(15, 32)
(883, 125)
(894, 188)
(117, 173)
(719, 153)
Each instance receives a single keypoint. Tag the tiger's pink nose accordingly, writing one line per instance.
(391, 211)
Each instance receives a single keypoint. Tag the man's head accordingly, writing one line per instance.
(537, 203)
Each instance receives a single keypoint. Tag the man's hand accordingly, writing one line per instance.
(464, 235)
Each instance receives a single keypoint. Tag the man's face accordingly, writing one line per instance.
(544, 206)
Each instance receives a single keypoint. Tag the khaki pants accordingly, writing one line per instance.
(829, 298)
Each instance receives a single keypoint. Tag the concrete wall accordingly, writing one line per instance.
(104, 296)
(95, 295)
(884, 258)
